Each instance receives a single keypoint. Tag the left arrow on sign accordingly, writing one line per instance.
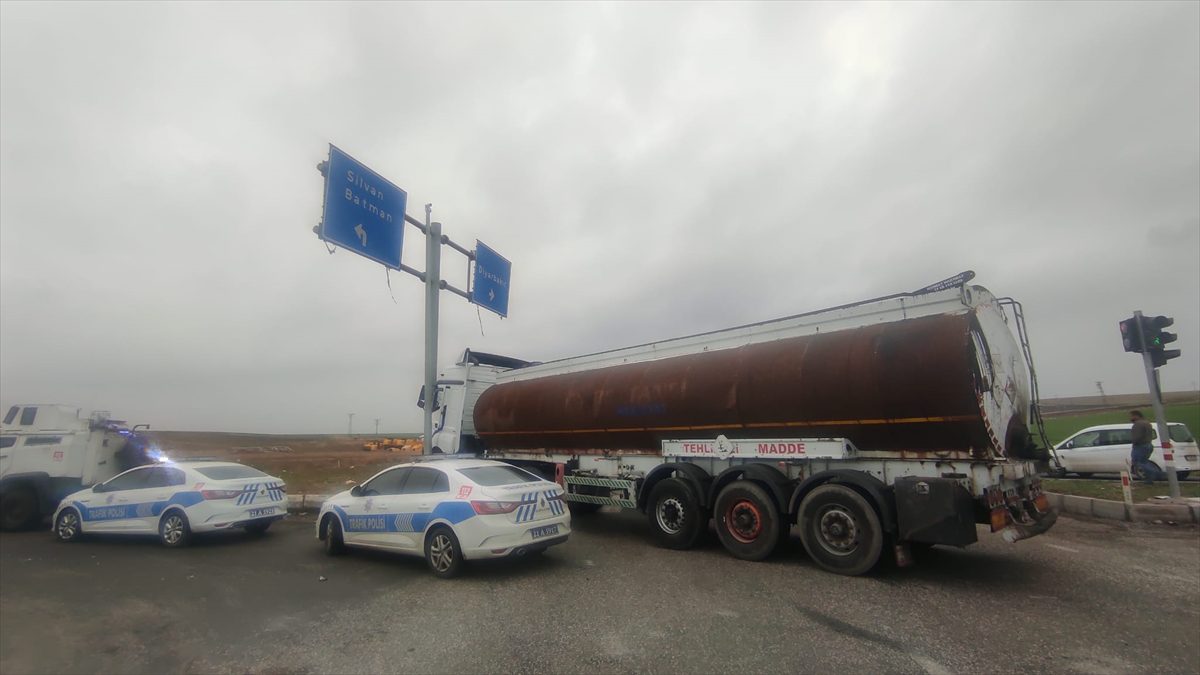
(362, 234)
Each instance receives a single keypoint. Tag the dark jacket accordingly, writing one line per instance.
(1142, 433)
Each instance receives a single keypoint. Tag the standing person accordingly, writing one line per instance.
(1143, 437)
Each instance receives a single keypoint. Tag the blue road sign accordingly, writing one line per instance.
(489, 287)
(364, 212)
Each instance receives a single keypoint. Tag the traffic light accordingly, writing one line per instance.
(1157, 339)
(1131, 336)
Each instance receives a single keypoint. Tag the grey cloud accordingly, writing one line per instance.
(651, 170)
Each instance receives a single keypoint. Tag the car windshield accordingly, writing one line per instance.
(1180, 433)
(498, 475)
(228, 471)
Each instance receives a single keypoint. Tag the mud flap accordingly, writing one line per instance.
(1017, 531)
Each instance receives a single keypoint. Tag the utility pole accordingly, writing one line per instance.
(350, 424)
(376, 426)
(1103, 396)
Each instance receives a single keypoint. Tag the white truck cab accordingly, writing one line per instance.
(49, 451)
(458, 388)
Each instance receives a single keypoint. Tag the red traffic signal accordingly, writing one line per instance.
(1131, 336)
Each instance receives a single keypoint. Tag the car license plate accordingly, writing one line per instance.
(547, 531)
(255, 513)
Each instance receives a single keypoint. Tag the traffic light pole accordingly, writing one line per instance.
(1160, 417)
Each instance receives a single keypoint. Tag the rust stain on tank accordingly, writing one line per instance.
(904, 385)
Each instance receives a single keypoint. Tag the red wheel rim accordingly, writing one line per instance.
(744, 521)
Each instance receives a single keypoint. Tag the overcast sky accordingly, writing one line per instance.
(651, 171)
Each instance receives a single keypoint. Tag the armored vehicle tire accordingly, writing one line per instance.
(840, 530)
(18, 508)
(676, 516)
(747, 520)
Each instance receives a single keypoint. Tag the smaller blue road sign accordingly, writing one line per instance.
(489, 286)
(364, 212)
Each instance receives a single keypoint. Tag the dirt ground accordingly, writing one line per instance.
(308, 464)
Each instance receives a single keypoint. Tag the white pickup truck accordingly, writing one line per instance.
(50, 451)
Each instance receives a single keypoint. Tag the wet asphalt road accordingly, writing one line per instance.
(1091, 596)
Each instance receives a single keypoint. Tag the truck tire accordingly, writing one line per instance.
(676, 517)
(840, 530)
(19, 508)
(748, 520)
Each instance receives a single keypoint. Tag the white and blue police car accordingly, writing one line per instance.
(448, 510)
(174, 499)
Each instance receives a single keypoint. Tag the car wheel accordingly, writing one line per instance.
(18, 508)
(258, 528)
(173, 529)
(67, 526)
(748, 521)
(840, 530)
(1083, 474)
(334, 544)
(676, 517)
(443, 553)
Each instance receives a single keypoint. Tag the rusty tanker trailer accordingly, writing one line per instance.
(903, 419)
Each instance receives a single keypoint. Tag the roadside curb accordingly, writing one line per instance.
(1113, 510)
(299, 503)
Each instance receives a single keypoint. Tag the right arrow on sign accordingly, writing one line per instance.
(491, 294)
(362, 234)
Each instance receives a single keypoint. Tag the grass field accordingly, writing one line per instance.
(1058, 428)
(1111, 489)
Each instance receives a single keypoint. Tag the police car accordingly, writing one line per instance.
(448, 510)
(174, 500)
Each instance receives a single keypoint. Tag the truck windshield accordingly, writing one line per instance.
(498, 475)
(228, 471)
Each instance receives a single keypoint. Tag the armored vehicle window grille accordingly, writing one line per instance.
(28, 415)
(43, 440)
(8, 441)
(12, 414)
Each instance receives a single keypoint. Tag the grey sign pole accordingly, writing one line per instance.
(1160, 417)
(433, 264)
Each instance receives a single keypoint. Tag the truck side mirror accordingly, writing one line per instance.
(421, 398)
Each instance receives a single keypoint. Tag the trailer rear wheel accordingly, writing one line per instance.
(840, 530)
(676, 516)
(748, 521)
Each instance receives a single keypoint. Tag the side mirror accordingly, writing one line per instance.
(356, 491)
(421, 398)
(1068, 445)
(98, 487)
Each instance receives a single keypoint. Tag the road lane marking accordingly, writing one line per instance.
(932, 667)
(1063, 548)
